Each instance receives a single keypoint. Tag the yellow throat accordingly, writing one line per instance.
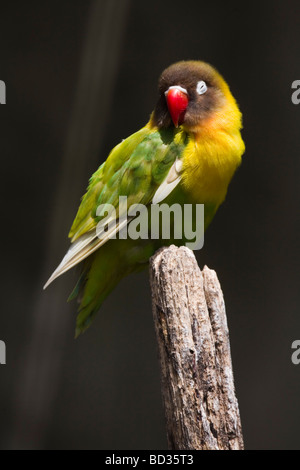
(214, 152)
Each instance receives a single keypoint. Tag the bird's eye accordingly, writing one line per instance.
(201, 87)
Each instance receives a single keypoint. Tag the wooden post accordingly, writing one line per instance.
(198, 392)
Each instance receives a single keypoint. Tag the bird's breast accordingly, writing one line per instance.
(209, 162)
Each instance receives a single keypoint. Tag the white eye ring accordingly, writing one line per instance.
(201, 87)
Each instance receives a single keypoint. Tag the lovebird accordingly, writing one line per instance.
(187, 153)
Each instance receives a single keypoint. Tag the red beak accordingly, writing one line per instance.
(177, 101)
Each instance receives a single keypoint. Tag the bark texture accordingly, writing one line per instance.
(198, 391)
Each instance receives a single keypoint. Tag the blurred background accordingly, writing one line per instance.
(80, 76)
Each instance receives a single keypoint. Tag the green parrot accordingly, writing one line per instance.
(186, 154)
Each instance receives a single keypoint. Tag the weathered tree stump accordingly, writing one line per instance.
(198, 391)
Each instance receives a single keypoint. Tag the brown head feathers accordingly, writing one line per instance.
(190, 75)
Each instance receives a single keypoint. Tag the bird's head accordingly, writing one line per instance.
(192, 94)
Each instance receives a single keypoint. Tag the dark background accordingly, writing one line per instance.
(102, 391)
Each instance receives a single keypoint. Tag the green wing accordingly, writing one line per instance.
(135, 168)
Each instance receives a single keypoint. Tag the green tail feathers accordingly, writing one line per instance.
(102, 272)
(96, 281)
